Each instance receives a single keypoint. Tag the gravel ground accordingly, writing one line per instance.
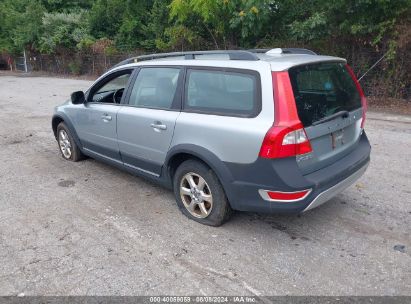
(89, 229)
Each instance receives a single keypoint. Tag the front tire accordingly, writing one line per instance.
(68, 147)
(200, 195)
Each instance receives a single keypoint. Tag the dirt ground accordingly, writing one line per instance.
(89, 229)
(390, 105)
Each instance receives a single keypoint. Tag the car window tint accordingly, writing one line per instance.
(323, 89)
(110, 87)
(155, 88)
(221, 92)
(115, 84)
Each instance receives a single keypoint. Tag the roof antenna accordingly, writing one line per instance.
(373, 66)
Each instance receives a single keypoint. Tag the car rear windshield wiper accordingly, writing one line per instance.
(343, 114)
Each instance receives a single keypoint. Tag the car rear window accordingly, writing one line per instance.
(222, 92)
(323, 89)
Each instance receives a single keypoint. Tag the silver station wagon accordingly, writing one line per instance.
(278, 130)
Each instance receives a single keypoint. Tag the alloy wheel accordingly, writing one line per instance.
(64, 143)
(196, 195)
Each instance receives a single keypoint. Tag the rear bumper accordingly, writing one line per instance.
(326, 195)
(284, 175)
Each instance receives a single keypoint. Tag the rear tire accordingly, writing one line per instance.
(200, 195)
(68, 147)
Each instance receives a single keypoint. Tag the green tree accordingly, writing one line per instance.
(226, 23)
(366, 22)
(64, 32)
(60, 6)
(156, 26)
(105, 18)
(120, 20)
(21, 24)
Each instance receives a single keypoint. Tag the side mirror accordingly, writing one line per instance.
(78, 97)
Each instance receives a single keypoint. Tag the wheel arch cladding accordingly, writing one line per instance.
(59, 118)
(180, 153)
(54, 123)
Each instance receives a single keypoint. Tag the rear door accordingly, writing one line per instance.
(145, 125)
(329, 106)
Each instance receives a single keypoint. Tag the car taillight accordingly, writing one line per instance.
(361, 92)
(285, 142)
(287, 136)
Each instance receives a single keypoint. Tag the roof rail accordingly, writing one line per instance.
(124, 62)
(258, 51)
(232, 55)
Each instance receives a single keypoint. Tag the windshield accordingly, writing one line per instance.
(323, 89)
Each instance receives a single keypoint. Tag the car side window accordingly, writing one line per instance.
(155, 88)
(112, 91)
(222, 92)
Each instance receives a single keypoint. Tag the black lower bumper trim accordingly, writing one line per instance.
(284, 175)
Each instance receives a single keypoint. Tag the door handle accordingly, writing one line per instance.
(158, 125)
(106, 117)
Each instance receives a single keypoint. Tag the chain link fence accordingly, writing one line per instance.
(77, 64)
(20, 65)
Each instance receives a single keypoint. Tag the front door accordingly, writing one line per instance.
(145, 125)
(97, 121)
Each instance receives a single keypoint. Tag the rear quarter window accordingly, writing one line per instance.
(323, 89)
(231, 93)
